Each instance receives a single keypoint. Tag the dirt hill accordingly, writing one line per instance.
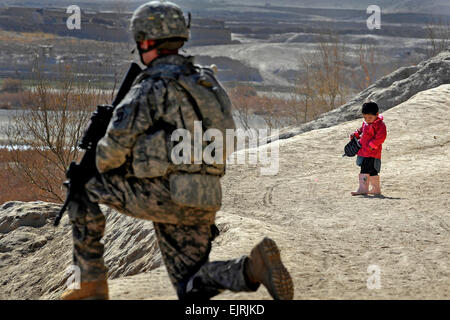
(328, 238)
(387, 92)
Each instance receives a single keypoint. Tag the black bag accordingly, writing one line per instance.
(352, 148)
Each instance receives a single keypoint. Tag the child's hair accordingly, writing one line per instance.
(370, 108)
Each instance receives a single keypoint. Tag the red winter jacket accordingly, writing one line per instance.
(371, 136)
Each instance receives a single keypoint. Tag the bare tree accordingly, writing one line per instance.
(323, 85)
(329, 70)
(282, 111)
(305, 88)
(241, 98)
(43, 136)
(367, 62)
(438, 33)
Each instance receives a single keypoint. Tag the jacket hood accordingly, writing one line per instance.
(380, 117)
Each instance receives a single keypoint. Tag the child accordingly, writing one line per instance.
(371, 136)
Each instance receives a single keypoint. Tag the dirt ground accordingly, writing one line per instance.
(328, 239)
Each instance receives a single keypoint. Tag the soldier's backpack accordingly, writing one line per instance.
(212, 106)
(209, 99)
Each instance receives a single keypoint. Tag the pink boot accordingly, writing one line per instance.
(363, 185)
(374, 182)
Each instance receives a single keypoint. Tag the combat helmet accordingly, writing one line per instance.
(162, 21)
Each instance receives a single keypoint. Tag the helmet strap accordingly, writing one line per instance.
(163, 46)
(150, 48)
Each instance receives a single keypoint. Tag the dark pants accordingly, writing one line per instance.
(185, 251)
(368, 166)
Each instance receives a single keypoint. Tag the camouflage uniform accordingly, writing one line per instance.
(135, 178)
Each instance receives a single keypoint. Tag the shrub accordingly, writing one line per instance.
(11, 85)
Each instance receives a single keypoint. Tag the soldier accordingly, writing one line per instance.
(138, 177)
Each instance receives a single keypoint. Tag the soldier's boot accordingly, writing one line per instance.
(363, 185)
(374, 182)
(94, 290)
(264, 266)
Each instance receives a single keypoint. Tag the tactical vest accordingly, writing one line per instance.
(210, 104)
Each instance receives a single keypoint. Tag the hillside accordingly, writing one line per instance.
(327, 238)
(388, 92)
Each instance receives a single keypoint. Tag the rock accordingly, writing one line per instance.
(29, 244)
(130, 245)
(16, 214)
(24, 242)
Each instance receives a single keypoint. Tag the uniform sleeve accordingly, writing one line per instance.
(379, 137)
(131, 118)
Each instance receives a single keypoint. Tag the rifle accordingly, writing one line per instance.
(78, 174)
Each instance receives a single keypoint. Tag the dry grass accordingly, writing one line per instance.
(14, 187)
(14, 100)
(11, 85)
(277, 112)
(24, 37)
